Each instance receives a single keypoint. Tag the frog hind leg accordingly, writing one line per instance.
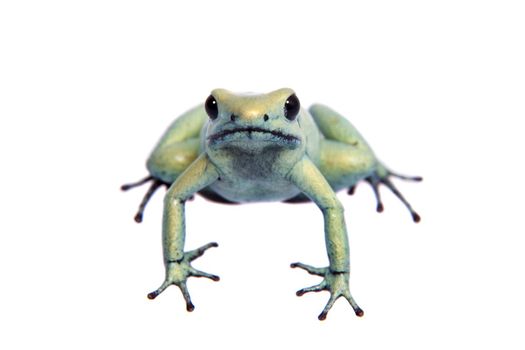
(165, 164)
(176, 150)
(346, 158)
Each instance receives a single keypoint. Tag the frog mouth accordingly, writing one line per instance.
(253, 132)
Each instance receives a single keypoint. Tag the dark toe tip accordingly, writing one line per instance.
(416, 217)
(124, 187)
(138, 218)
(215, 278)
(214, 244)
(190, 307)
(359, 312)
(322, 316)
(380, 208)
(152, 295)
(293, 265)
(299, 293)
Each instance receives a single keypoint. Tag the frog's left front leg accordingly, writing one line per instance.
(312, 183)
(198, 175)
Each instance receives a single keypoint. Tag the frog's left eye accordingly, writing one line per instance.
(292, 107)
(211, 107)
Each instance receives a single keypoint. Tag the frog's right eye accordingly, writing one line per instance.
(211, 107)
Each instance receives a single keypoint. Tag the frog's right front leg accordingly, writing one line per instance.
(201, 173)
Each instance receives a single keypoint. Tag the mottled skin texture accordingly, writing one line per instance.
(250, 148)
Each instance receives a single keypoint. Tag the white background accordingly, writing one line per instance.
(87, 87)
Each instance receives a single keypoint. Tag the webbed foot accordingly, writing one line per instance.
(382, 176)
(177, 273)
(337, 283)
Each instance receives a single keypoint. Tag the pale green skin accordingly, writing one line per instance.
(328, 155)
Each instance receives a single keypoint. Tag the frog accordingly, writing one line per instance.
(262, 147)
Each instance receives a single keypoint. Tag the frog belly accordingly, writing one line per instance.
(254, 190)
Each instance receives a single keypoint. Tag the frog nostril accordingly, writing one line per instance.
(266, 117)
(232, 117)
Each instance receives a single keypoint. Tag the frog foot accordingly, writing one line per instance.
(177, 273)
(334, 282)
(383, 176)
(155, 184)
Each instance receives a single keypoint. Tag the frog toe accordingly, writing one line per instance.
(358, 311)
(186, 294)
(197, 273)
(318, 271)
(197, 253)
(317, 288)
(159, 290)
(329, 304)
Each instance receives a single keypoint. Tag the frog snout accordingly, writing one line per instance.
(250, 117)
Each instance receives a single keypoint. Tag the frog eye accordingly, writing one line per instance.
(211, 107)
(292, 107)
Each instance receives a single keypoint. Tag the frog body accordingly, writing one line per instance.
(238, 148)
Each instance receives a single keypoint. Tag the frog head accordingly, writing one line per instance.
(254, 123)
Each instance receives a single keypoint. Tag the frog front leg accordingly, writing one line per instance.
(312, 183)
(198, 175)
